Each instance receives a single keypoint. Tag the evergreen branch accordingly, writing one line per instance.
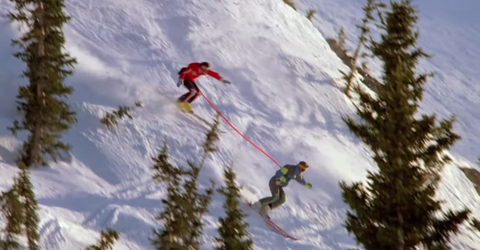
(106, 241)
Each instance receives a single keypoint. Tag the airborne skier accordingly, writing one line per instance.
(187, 77)
(280, 180)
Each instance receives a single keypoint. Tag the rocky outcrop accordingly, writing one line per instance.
(474, 176)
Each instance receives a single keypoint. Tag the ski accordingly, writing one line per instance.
(194, 117)
(274, 227)
(277, 229)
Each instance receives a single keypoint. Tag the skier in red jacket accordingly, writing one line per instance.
(187, 77)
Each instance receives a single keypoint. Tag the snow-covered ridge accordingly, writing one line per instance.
(282, 97)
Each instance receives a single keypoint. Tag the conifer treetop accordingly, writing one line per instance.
(46, 114)
(233, 234)
(396, 208)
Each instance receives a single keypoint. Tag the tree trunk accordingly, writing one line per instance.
(354, 63)
(401, 242)
(34, 151)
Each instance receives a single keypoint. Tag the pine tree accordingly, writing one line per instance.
(106, 241)
(46, 114)
(475, 224)
(341, 39)
(310, 14)
(30, 207)
(20, 207)
(212, 137)
(111, 119)
(396, 208)
(172, 216)
(196, 206)
(290, 3)
(364, 31)
(184, 206)
(233, 230)
(12, 211)
(198, 203)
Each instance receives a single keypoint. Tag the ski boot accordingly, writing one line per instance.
(256, 206)
(265, 210)
(262, 210)
(184, 107)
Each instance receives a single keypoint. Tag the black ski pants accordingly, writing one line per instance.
(193, 92)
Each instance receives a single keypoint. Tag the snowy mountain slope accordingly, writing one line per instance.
(450, 32)
(282, 98)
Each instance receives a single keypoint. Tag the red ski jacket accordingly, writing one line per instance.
(193, 71)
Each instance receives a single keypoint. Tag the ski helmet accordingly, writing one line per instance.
(303, 165)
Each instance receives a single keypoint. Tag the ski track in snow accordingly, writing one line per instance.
(282, 98)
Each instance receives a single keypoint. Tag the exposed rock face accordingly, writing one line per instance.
(474, 176)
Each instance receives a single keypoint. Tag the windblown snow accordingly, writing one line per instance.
(282, 97)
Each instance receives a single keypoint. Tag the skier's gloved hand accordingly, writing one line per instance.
(225, 81)
(308, 185)
(180, 82)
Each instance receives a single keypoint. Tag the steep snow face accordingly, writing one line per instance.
(282, 97)
(449, 32)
